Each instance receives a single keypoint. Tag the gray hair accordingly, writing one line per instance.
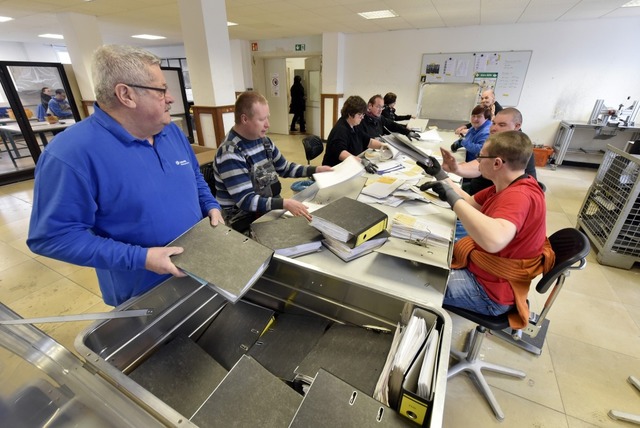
(113, 64)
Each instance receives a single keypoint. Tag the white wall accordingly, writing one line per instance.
(16, 51)
(573, 64)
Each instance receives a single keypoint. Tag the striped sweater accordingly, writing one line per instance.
(232, 165)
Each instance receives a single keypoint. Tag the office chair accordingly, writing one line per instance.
(313, 147)
(571, 248)
(207, 172)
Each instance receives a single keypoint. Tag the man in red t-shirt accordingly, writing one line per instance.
(506, 226)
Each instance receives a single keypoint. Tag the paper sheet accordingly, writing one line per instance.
(345, 170)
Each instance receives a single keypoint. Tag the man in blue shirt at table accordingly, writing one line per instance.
(59, 106)
(112, 190)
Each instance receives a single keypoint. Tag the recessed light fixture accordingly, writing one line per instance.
(378, 14)
(5, 19)
(231, 24)
(148, 37)
(632, 3)
(51, 36)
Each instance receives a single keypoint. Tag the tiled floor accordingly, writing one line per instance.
(592, 347)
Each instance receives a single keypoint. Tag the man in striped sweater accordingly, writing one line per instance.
(248, 164)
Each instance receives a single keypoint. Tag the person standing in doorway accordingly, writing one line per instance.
(297, 107)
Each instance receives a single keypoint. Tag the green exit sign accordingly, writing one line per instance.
(300, 47)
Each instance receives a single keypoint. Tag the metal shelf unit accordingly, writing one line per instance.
(584, 142)
(610, 213)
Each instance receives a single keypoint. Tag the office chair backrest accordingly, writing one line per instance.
(571, 246)
(313, 147)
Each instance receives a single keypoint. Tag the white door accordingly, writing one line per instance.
(275, 70)
(313, 86)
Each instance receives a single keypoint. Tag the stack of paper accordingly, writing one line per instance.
(382, 187)
(411, 341)
(416, 229)
(345, 170)
(430, 135)
(346, 253)
(426, 378)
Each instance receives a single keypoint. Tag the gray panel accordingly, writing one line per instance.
(354, 354)
(334, 403)
(249, 396)
(194, 375)
(447, 102)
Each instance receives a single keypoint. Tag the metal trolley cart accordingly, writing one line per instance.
(610, 213)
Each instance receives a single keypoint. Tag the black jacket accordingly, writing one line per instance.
(377, 126)
(390, 113)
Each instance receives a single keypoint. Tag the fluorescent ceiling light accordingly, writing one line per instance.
(51, 36)
(148, 37)
(632, 3)
(378, 14)
(5, 19)
(231, 24)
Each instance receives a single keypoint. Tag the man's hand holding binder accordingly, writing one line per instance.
(433, 168)
(444, 190)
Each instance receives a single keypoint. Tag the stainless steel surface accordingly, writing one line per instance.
(114, 347)
(80, 317)
(73, 395)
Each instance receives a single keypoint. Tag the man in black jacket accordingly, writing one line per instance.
(374, 124)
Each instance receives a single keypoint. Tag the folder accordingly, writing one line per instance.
(355, 354)
(406, 394)
(249, 396)
(412, 342)
(398, 142)
(227, 260)
(349, 221)
(332, 402)
(289, 236)
(194, 374)
(418, 386)
(234, 331)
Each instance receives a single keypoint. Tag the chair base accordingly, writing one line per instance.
(624, 416)
(526, 342)
(470, 363)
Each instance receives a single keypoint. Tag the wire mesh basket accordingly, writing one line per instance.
(610, 213)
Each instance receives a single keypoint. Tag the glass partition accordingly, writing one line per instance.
(31, 114)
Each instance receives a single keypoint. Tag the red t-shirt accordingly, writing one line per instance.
(523, 204)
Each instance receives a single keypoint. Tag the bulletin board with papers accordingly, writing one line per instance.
(504, 71)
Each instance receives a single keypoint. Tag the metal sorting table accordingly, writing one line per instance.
(373, 292)
(585, 143)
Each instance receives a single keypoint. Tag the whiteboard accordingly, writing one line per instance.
(502, 71)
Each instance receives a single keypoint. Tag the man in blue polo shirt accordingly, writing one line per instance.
(113, 189)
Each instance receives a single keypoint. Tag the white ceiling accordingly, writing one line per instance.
(271, 19)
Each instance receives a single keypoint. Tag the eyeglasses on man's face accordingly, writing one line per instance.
(490, 157)
(163, 91)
